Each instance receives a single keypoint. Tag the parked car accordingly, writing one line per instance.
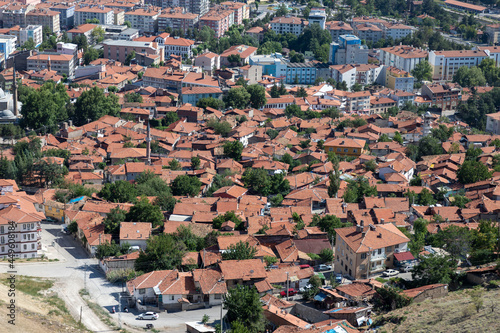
(65, 230)
(304, 266)
(324, 267)
(390, 272)
(338, 278)
(291, 292)
(148, 316)
(304, 289)
(406, 268)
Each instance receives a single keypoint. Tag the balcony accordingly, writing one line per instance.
(378, 257)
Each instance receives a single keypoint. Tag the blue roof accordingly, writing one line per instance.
(76, 199)
(320, 297)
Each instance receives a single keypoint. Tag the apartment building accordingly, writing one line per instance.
(446, 63)
(317, 16)
(493, 123)
(345, 147)
(338, 28)
(62, 63)
(163, 77)
(24, 34)
(218, 20)
(370, 20)
(348, 50)
(84, 13)
(369, 32)
(300, 73)
(83, 30)
(493, 32)
(144, 19)
(293, 25)
(343, 73)
(444, 96)
(397, 31)
(358, 102)
(241, 10)
(361, 251)
(207, 61)
(398, 79)
(44, 17)
(403, 57)
(244, 51)
(178, 46)
(7, 44)
(14, 14)
(492, 51)
(367, 74)
(66, 15)
(192, 95)
(177, 19)
(20, 222)
(200, 7)
(119, 50)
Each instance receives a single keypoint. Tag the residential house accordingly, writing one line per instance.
(135, 233)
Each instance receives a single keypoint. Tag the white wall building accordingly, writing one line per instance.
(446, 63)
(403, 57)
(84, 13)
(293, 25)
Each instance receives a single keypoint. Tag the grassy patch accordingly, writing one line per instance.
(30, 285)
(381, 280)
(100, 312)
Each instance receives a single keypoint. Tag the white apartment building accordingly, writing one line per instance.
(84, 13)
(144, 19)
(44, 17)
(446, 63)
(403, 57)
(24, 34)
(317, 16)
(7, 44)
(284, 25)
(207, 61)
(178, 46)
(397, 31)
(62, 63)
(338, 28)
(177, 18)
(493, 52)
(343, 73)
(493, 123)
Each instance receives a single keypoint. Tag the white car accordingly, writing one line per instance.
(390, 272)
(324, 267)
(148, 316)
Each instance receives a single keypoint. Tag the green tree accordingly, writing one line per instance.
(293, 110)
(429, 146)
(239, 251)
(238, 98)
(371, 165)
(334, 178)
(472, 171)
(90, 55)
(326, 255)
(162, 252)
(391, 298)
(133, 98)
(384, 138)
(469, 77)
(173, 164)
(356, 87)
(93, 104)
(165, 201)
(144, 211)
(398, 138)
(211, 102)
(228, 216)
(422, 71)
(243, 305)
(186, 185)
(456, 240)
(119, 191)
(276, 200)
(270, 260)
(257, 96)
(220, 127)
(328, 224)
(358, 189)
(434, 269)
(301, 92)
(195, 162)
(425, 198)
(113, 220)
(257, 181)
(129, 58)
(233, 149)
(459, 201)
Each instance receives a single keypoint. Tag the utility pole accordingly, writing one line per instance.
(221, 322)
(119, 310)
(85, 278)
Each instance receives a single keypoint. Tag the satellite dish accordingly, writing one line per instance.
(251, 272)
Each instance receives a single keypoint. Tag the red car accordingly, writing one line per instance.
(291, 292)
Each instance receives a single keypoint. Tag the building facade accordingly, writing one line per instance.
(446, 63)
(403, 57)
(103, 15)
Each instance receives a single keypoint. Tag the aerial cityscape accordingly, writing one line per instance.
(211, 166)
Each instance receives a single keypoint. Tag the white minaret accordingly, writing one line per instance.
(426, 130)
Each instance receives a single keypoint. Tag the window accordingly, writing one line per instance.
(3, 248)
(396, 246)
(388, 249)
(24, 226)
(363, 255)
(218, 296)
(25, 247)
(32, 246)
(171, 297)
(142, 291)
(331, 149)
(354, 150)
(339, 150)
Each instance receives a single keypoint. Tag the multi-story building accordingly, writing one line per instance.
(192, 95)
(19, 226)
(398, 79)
(66, 15)
(493, 32)
(177, 19)
(178, 46)
(7, 44)
(397, 31)
(84, 13)
(241, 10)
(348, 50)
(252, 73)
(403, 57)
(345, 146)
(144, 19)
(120, 49)
(218, 20)
(493, 123)
(82, 30)
(244, 51)
(367, 74)
(272, 64)
(200, 7)
(343, 73)
(338, 28)
(208, 61)
(317, 16)
(492, 51)
(24, 34)
(465, 7)
(361, 251)
(300, 73)
(369, 32)
(62, 63)
(293, 25)
(358, 102)
(118, 17)
(44, 17)
(370, 20)
(163, 77)
(444, 96)
(15, 14)
(446, 63)
(379, 105)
